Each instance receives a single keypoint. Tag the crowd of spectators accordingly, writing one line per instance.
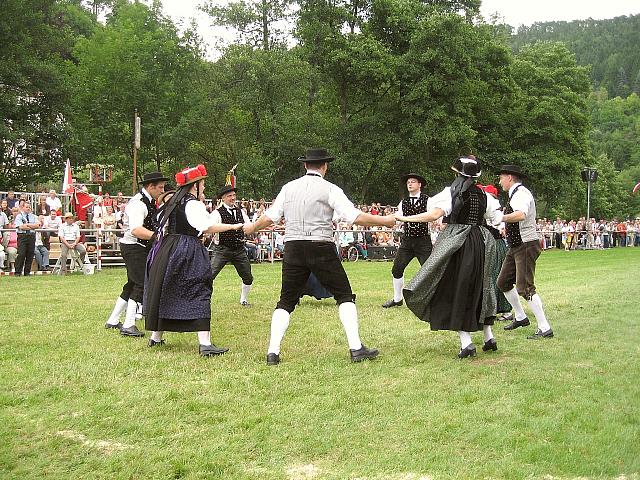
(589, 234)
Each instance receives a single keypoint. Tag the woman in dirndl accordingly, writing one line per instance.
(453, 290)
(179, 281)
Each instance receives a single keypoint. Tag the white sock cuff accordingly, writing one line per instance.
(398, 285)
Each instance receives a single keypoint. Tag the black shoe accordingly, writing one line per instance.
(468, 351)
(245, 304)
(209, 350)
(540, 334)
(363, 353)
(117, 326)
(391, 303)
(517, 323)
(505, 317)
(490, 345)
(131, 332)
(273, 359)
(153, 343)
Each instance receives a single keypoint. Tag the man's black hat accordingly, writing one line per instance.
(316, 155)
(512, 170)
(153, 177)
(226, 189)
(407, 176)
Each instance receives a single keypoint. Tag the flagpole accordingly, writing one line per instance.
(136, 146)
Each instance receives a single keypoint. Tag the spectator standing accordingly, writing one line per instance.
(621, 233)
(26, 223)
(54, 202)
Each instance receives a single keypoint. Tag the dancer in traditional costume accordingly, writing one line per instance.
(453, 290)
(179, 279)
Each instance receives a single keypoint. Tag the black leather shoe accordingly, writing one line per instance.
(540, 334)
(490, 345)
(468, 351)
(131, 332)
(117, 326)
(391, 303)
(363, 353)
(153, 343)
(273, 359)
(517, 323)
(245, 304)
(506, 317)
(209, 350)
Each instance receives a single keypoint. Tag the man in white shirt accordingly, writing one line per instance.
(141, 223)
(52, 222)
(69, 234)
(230, 247)
(524, 249)
(54, 202)
(308, 205)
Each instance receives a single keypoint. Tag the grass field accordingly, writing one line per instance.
(77, 401)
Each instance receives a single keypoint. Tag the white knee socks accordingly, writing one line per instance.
(130, 318)
(156, 336)
(465, 339)
(244, 295)
(514, 299)
(398, 285)
(535, 304)
(349, 318)
(279, 325)
(120, 307)
(488, 334)
(204, 337)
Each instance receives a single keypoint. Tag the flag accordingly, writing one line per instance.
(67, 182)
(81, 201)
(231, 177)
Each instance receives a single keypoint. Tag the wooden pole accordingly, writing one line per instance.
(134, 183)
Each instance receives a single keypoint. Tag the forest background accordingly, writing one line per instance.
(389, 86)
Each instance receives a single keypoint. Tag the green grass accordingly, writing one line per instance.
(77, 401)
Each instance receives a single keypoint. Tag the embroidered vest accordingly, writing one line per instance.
(471, 212)
(151, 220)
(415, 229)
(514, 238)
(232, 238)
(178, 222)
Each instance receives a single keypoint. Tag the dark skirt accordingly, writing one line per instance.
(503, 305)
(454, 290)
(178, 286)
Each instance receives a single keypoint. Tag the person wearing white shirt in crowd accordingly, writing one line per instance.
(524, 249)
(42, 247)
(52, 222)
(99, 211)
(308, 205)
(69, 234)
(140, 225)
(54, 202)
(230, 247)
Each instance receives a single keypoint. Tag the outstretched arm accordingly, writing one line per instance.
(263, 222)
(368, 220)
(425, 217)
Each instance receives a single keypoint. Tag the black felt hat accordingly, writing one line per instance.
(512, 170)
(226, 189)
(316, 155)
(153, 177)
(407, 176)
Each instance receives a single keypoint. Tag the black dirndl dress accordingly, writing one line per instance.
(179, 281)
(454, 290)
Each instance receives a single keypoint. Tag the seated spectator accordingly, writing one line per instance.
(251, 245)
(119, 200)
(10, 244)
(279, 243)
(54, 202)
(4, 208)
(4, 220)
(264, 243)
(70, 239)
(11, 199)
(53, 222)
(107, 201)
(42, 208)
(42, 247)
(98, 212)
(108, 223)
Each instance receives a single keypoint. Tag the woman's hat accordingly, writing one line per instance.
(153, 177)
(226, 189)
(512, 170)
(316, 155)
(490, 189)
(407, 176)
(190, 175)
(467, 166)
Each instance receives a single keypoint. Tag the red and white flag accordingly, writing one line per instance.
(67, 183)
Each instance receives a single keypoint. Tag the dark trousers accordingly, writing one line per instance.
(410, 248)
(135, 259)
(237, 256)
(26, 252)
(301, 257)
(519, 267)
(558, 240)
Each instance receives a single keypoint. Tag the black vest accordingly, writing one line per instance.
(151, 220)
(513, 229)
(415, 229)
(178, 222)
(232, 238)
(471, 212)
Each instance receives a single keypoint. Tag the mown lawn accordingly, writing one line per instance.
(77, 401)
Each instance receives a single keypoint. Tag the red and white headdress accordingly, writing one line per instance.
(190, 175)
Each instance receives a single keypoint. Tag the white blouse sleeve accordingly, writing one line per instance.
(442, 200)
(197, 215)
(493, 212)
